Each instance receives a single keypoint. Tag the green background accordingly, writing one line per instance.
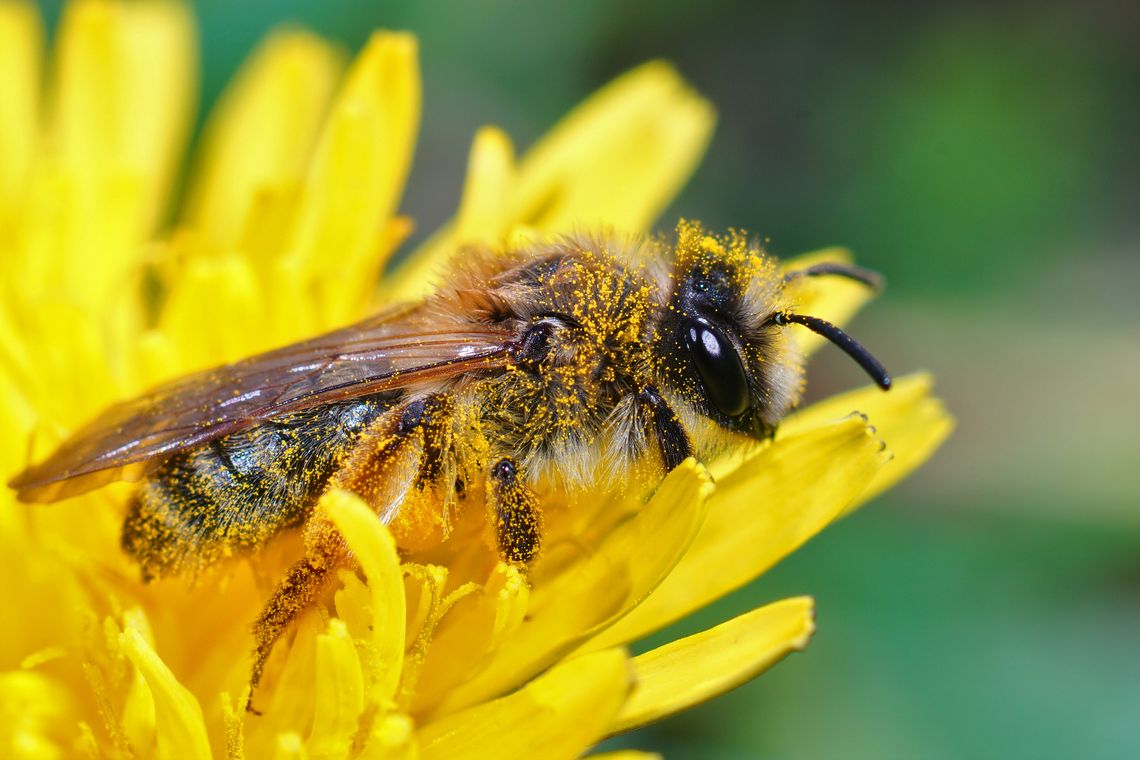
(985, 157)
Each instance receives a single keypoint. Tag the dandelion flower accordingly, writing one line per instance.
(289, 219)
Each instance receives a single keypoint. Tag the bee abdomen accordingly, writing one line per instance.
(234, 493)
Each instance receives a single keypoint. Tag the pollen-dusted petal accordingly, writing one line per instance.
(835, 299)
(615, 161)
(180, 728)
(512, 597)
(261, 134)
(476, 625)
(688, 671)
(338, 693)
(21, 60)
(911, 421)
(558, 715)
(375, 550)
(602, 585)
(233, 717)
(357, 176)
(124, 98)
(761, 512)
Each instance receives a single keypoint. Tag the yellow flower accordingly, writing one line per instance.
(289, 218)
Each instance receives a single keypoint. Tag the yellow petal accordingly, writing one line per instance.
(75, 378)
(21, 54)
(353, 604)
(601, 586)
(471, 629)
(17, 417)
(482, 218)
(761, 512)
(289, 747)
(124, 96)
(393, 738)
(490, 173)
(261, 134)
(357, 176)
(626, 754)
(619, 158)
(694, 669)
(219, 298)
(180, 728)
(338, 693)
(375, 550)
(139, 710)
(615, 161)
(292, 702)
(31, 706)
(558, 715)
(835, 299)
(907, 418)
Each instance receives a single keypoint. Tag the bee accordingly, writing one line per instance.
(568, 362)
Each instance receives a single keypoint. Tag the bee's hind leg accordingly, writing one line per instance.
(514, 512)
(325, 550)
(397, 454)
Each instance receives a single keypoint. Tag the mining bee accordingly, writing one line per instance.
(569, 362)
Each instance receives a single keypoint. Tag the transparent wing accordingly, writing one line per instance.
(392, 350)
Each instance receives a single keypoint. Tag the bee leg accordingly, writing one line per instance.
(672, 439)
(325, 550)
(397, 454)
(513, 510)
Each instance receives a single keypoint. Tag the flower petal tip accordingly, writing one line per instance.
(692, 670)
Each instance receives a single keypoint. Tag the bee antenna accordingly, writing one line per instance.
(868, 277)
(849, 345)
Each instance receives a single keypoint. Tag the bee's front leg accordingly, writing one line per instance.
(672, 440)
(513, 510)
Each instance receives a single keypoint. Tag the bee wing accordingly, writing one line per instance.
(392, 350)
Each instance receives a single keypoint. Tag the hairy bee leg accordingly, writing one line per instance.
(409, 452)
(672, 439)
(325, 550)
(380, 470)
(513, 509)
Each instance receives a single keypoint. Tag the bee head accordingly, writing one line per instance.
(722, 342)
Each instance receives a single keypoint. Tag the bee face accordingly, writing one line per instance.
(718, 346)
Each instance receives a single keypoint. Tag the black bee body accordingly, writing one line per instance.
(231, 494)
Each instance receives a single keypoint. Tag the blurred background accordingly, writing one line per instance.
(986, 157)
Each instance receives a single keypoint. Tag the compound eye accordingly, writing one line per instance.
(719, 366)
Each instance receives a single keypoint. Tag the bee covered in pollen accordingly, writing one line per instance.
(556, 365)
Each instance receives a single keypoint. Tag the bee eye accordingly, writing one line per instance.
(719, 366)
